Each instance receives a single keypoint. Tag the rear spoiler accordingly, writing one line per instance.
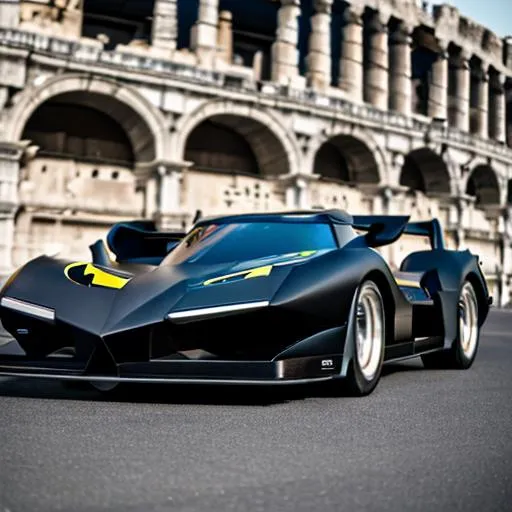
(386, 229)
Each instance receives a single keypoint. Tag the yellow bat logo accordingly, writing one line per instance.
(86, 274)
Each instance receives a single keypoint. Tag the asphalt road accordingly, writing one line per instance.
(424, 440)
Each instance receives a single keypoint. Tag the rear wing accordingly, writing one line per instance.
(386, 229)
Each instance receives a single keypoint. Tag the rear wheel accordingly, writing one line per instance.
(463, 351)
(369, 339)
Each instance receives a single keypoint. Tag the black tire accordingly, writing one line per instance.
(369, 336)
(462, 353)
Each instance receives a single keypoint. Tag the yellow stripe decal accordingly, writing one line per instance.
(259, 272)
(255, 272)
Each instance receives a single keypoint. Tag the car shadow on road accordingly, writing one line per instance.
(177, 394)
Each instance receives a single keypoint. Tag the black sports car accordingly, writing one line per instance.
(277, 298)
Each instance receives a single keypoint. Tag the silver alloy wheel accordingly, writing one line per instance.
(369, 333)
(468, 320)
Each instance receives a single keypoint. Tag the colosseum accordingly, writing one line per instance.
(157, 109)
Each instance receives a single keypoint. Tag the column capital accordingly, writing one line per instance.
(461, 61)
(497, 82)
(297, 179)
(353, 15)
(443, 45)
(146, 170)
(401, 34)
(480, 73)
(290, 3)
(378, 22)
(322, 6)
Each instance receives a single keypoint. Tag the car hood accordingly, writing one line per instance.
(150, 297)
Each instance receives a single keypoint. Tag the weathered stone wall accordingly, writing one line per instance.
(193, 129)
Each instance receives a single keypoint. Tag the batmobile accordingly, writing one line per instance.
(280, 298)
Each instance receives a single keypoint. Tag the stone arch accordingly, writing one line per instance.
(483, 184)
(346, 158)
(426, 171)
(262, 136)
(347, 154)
(143, 124)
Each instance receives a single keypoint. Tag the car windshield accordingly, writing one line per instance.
(221, 243)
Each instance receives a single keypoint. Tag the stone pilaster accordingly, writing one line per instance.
(225, 37)
(204, 32)
(10, 157)
(376, 87)
(297, 190)
(463, 89)
(352, 56)
(170, 215)
(438, 88)
(400, 85)
(319, 56)
(482, 127)
(161, 183)
(164, 31)
(497, 109)
(285, 55)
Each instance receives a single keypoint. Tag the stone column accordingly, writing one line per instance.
(225, 36)
(164, 31)
(483, 105)
(319, 56)
(10, 157)
(204, 32)
(351, 62)
(400, 85)
(463, 89)
(497, 109)
(285, 55)
(376, 87)
(438, 87)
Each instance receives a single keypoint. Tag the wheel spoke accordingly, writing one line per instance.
(369, 331)
(468, 320)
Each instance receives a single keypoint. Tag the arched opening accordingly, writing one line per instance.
(348, 159)
(237, 145)
(483, 185)
(425, 171)
(62, 128)
(213, 146)
(81, 180)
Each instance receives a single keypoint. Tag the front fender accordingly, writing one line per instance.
(325, 287)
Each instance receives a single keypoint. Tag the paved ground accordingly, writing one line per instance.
(424, 440)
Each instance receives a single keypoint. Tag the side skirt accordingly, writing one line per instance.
(413, 349)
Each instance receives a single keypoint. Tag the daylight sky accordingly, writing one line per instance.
(495, 14)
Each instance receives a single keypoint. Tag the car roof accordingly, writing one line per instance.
(333, 216)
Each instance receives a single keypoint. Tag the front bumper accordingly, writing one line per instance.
(183, 371)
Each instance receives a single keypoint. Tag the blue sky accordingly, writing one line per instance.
(495, 14)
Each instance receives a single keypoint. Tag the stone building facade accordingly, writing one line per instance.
(373, 106)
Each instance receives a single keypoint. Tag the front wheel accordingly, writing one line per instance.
(369, 336)
(463, 351)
